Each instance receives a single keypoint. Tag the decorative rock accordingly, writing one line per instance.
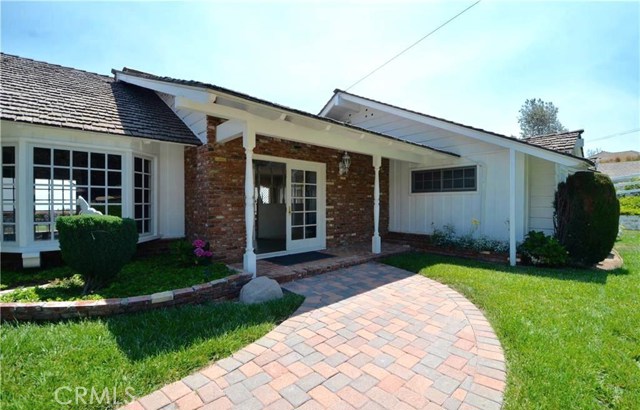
(260, 290)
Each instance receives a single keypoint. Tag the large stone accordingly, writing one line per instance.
(260, 290)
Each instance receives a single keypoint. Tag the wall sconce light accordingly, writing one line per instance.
(345, 163)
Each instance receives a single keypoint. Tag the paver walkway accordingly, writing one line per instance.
(371, 337)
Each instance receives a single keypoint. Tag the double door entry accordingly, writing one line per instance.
(290, 206)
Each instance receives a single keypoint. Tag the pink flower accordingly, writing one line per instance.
(199, 243)
(199, 252)
(208, 254)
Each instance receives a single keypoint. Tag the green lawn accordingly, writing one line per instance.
(142, 276)
(571, 337)
(141, 351)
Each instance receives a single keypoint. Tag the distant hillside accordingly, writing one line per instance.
(621, 156)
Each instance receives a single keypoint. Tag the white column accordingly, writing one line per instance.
(249, 143)
(376, 244)
(512, 207)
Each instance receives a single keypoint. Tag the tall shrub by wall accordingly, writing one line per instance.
(586, 216)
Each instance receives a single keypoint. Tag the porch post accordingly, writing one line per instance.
(512, 207)
(376, 242)
(249, 143)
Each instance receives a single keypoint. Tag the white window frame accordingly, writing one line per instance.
(16, 207)
(447, 192)
(153, 194)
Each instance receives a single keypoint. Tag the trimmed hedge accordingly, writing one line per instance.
(97, 246)
(587, 213)
(630, 205)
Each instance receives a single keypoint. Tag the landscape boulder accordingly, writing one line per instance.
(260, 290)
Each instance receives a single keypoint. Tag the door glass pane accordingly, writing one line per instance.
(297, 233)
(310, 177)
(310, 232)
(310, 191)
(297, 175)
(310, 204)
(297, 218)
(303, 193)
(297, 204)
(297, 191)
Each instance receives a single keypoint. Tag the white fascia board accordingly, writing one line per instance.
(329, 105)
(340, 138)
(478, 135)
(194, 93)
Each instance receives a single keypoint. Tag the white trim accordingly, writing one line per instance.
(512, 207)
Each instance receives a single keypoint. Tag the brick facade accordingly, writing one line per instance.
(214, 192)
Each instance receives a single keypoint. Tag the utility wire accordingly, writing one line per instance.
(615, 135)
(411, 46)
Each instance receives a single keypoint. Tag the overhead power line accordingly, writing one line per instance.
(615, 135)
(411, 46)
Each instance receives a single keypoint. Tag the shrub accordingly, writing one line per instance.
(586, 216)
(447, 238)
(630, 205)
(96, 246)
(540, 249)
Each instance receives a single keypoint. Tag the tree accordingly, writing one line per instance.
(538, 117)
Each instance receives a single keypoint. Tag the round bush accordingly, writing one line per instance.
(97, 246)
(586, 216)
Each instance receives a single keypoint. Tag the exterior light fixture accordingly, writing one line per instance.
(345, 163)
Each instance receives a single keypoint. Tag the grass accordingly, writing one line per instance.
(141, 352)
(571, 337)
(138, 277)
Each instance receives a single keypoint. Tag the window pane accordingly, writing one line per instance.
(8, 173)
(137, 180)
(8, 155)
(97, 160)
(42, 156)
(115, 162)
(61, 157)
(115, 195)
(115, 178)
(42, 175)
(137, 196)
(80, 159)
(137, 164)
(97, 178)
(147, 166)
(61, 174)
(81, 177)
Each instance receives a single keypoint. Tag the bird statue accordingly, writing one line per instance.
(85, 209)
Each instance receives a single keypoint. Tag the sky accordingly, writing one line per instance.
(477, 70)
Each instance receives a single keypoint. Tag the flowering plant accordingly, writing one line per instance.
(201, 250)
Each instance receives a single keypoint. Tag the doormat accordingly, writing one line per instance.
(297, 258)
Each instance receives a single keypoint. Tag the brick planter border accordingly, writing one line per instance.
(221, 289)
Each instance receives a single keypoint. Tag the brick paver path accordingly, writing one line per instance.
(371, 337)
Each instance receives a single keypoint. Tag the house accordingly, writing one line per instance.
(256, 179)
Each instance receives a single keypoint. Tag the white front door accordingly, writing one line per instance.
(306, 206)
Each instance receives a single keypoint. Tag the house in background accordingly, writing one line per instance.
(256, 179)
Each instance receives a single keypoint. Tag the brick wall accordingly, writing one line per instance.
(214, 192)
